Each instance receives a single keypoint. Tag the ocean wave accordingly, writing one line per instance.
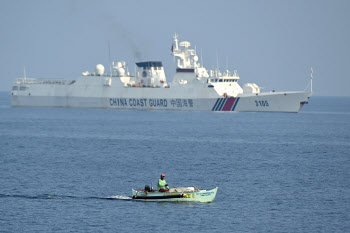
(50, 196)
(120, 197)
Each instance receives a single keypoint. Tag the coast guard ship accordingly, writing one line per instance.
(193, 88)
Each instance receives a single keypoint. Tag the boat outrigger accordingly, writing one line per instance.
(183, 194)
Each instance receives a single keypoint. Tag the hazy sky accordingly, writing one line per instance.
(272, 43)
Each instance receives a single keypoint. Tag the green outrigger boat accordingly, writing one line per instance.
(183, 194)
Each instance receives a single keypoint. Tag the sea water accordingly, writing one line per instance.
(72, 170)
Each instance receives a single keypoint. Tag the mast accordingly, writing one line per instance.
(202, 57)
(312, 71)
(217, 64)
(24, 73)
(110, 60)
(176, 41)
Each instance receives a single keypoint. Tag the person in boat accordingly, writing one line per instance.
(162, 185)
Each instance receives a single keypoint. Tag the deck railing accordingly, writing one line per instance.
(42, 81)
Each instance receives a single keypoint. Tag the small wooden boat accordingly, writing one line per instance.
(176, 194)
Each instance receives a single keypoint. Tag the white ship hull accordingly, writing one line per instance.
(78, 95)
(193, 89)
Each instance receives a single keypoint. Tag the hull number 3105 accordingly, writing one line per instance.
(262, 103)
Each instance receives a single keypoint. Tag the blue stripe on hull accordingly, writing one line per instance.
(234, 106)
(219, 104)
(222, 104)
(217, 101)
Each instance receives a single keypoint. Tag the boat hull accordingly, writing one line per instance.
(262, 102)
(193, 88)
(200, 195)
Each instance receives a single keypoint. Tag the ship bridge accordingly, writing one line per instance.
(150, 64)
(150, 74)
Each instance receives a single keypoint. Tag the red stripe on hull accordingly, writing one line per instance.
(228, 105)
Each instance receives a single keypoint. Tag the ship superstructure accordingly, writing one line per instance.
(193, 88)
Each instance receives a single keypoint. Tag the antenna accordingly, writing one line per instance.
(312, 71)
(24, 73)
(310, 83)
(226, 62)
(202, 58)
(217, 63)
(109, 57)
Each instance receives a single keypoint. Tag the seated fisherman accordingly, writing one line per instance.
(162, 185)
